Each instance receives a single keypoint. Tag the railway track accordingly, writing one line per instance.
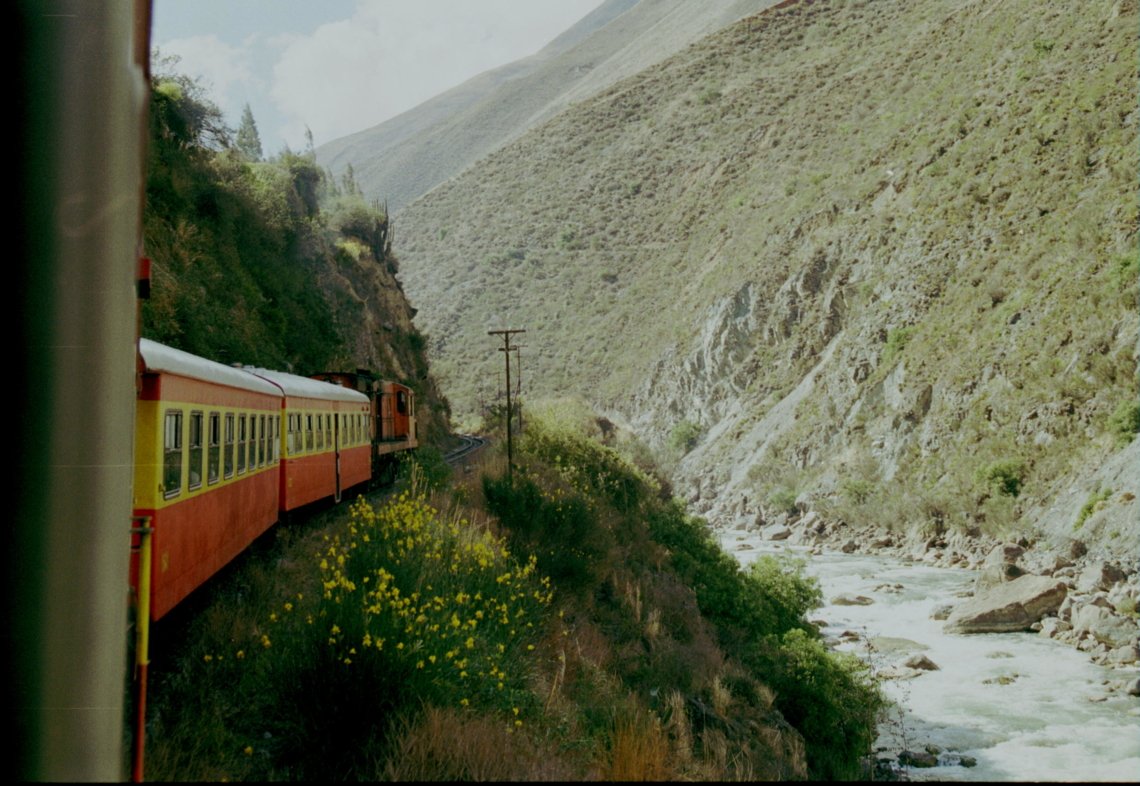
(470, 444)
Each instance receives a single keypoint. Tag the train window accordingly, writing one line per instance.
(308, 432)
(320, 432)
(214, 444)
(241, 444)
(261, 441)
(291, 435)
(172, 454)
(402, 402)
(229, 445)
(275, 452)
(328, 431)
(195, 450)
(253, 442)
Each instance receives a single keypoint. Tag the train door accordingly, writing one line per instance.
(336, 450)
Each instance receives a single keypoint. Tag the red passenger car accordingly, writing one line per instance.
(326, 439)
(206, 466)
(392, 427)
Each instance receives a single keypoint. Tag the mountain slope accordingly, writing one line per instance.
(879, 257)
(406, 156)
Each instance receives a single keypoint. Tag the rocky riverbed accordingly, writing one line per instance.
(1070, 595)
(1039, 597)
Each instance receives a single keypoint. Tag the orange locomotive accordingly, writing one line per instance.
(223, 453)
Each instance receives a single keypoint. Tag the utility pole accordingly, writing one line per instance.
(518, 381)
(506, 350)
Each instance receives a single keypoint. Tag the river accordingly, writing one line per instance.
(1025, 707)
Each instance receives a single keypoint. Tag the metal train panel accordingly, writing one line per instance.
(198, 536)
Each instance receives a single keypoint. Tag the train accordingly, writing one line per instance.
(223, 453)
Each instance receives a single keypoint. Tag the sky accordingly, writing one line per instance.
(340, 66)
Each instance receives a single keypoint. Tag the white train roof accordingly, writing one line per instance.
(161, 358)
(294, 385)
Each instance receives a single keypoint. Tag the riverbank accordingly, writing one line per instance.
(1089, 602)
(1019, 706)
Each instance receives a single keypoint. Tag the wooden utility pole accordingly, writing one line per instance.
(518, 381)
(506, 350)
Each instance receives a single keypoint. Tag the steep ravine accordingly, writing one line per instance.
(876, 262)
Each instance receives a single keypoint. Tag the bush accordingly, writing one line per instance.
(684, 436)
(830, 697)
(1092, 505)
(556, 525)
(1004, 476)
(1124, 423)
(783, 499)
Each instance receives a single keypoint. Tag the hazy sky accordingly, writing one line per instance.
(340, 66)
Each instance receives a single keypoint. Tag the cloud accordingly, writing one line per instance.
(350, 73)
(224, 71)
(389, 57)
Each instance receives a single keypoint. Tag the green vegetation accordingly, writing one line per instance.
(896, 341)
(1124, 423)
(1095, 501)
(574, 624)
(684, 436)
(783, 500)
(268, 262)
(1004, 476)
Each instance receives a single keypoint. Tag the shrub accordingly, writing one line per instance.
(684, 436)
(1091, 506)
(413, 610)
(1004, 476)
(830, 697)
(897, 340)
(783, 499)
(856, 491)
(1124, 423)
(557, 525)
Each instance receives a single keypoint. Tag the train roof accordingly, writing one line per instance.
(306, 387)
(161, 358)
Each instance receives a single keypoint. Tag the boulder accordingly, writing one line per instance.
(777, 532)
(1099, 576)
(921, 662)
(1011, 606)
(999, 566)
(918, 759)
(1105, 626)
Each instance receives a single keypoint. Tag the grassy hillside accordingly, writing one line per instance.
(879, 257)
(402, 158)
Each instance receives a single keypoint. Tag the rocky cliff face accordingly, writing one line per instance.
(879, 259)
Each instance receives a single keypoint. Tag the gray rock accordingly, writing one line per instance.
(1105, 626)
(941, 612)
(918, 759)
(1012, 606)
(921, 662)
(1099, 576)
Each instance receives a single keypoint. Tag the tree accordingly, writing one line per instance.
(181, 111)
(348, 181)
(310, 151)
(248, 141)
